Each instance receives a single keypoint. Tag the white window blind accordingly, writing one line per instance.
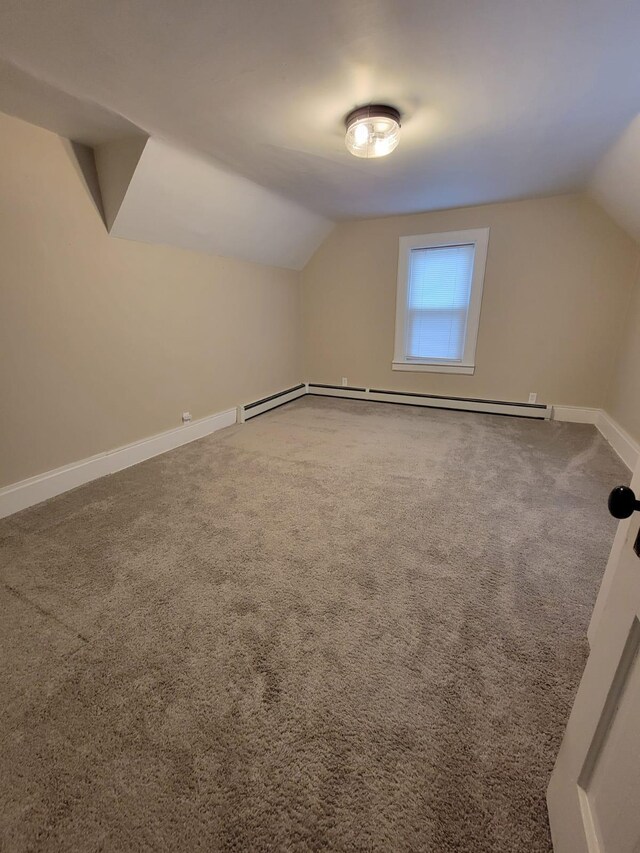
(438, 295)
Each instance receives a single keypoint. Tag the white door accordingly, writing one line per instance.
(594, 793)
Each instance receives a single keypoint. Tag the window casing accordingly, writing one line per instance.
(440, 279)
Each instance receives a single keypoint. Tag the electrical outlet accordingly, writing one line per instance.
(186, 417)
(345, 380)
(533, 397)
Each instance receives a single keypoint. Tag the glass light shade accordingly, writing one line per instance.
(372, 131)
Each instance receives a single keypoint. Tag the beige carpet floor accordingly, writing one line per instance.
(342, 626)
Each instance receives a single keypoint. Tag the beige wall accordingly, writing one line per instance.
(558, 279)
(104, 341)
(623, 403)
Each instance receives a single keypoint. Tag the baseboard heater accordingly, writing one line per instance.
(537, 411)
(259, 407)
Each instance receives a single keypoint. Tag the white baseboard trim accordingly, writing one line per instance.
(40, 488)
(576, 414)
(44, 486)
(626, 447)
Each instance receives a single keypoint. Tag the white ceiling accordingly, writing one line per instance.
(501, 98)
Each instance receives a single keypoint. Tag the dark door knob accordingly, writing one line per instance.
(622, 502)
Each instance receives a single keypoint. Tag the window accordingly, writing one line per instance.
(440, 280)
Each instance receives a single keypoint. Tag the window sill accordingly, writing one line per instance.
(432, 368)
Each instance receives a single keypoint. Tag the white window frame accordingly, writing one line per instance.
(479, 237)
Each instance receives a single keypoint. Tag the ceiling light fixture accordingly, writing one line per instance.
(372, 131)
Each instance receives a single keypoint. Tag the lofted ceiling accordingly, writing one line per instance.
(616, 181)
(38, 102)
(155, 193)
(501, 99)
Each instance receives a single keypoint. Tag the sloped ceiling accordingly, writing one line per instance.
(36, 101)
(501, 99)
(616, 181)
(157, 193)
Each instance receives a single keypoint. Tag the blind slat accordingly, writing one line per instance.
(438, 301)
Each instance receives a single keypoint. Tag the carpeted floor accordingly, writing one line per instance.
(341, 627)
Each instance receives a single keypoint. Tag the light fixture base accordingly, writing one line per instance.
(372, 111)
(373, 130)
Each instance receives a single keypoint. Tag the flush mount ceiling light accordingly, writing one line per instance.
(372, 131)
